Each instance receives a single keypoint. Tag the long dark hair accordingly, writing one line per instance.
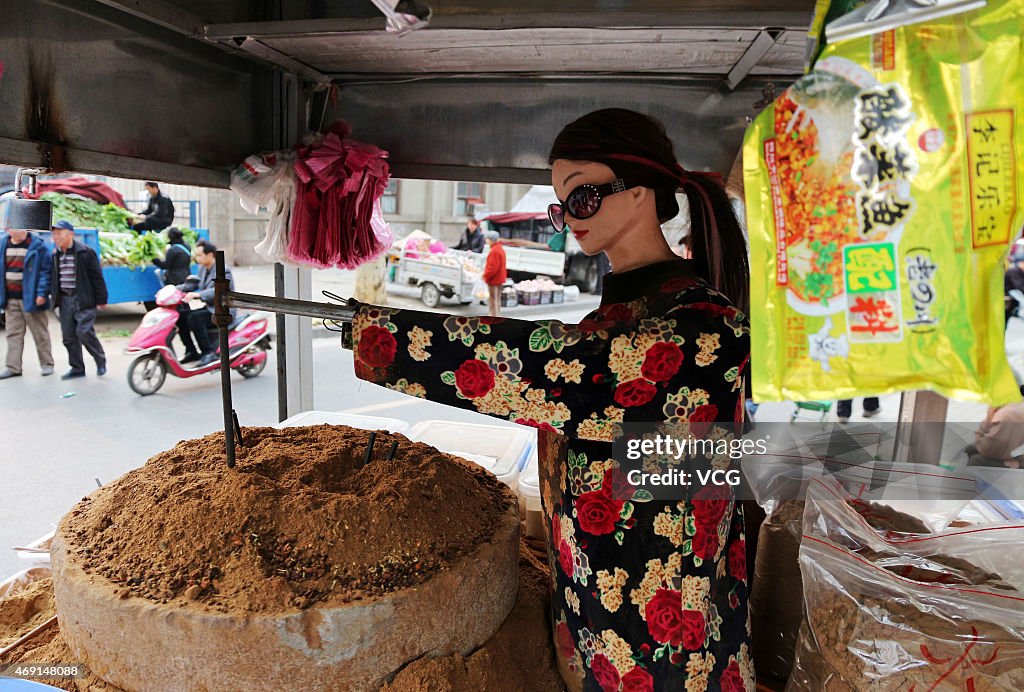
(636, 147)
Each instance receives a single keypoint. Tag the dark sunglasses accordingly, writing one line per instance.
(583, 202)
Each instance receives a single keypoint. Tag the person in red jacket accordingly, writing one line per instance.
(494, 272)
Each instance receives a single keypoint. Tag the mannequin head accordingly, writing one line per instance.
(619, 144)
(624, 223)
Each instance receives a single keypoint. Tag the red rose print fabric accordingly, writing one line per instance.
(648, 595)
(377, 347)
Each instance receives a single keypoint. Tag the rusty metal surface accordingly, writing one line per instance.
(501, 131)
(89, 87)
(671, 50)
(80, 77)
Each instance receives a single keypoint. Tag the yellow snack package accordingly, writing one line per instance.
(883, 192)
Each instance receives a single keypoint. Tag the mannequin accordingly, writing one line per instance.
(648, 593)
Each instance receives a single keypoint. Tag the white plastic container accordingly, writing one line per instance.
(352, 420)
(37, 552)
(501, 450)
(529, 498)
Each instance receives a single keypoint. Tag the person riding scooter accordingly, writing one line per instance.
(173, 270)
(200, 321)
(248, 342)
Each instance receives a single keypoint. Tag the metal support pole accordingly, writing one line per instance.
(921, 427)
(222, 319)
(282, 347)
(288, 306)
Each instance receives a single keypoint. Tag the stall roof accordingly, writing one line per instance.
(182, 89)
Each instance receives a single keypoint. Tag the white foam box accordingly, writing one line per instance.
(392, 425)
(502, 450)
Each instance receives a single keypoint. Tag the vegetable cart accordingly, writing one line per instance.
(125, 284)
(439, 275)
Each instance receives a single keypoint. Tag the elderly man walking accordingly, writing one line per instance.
(25, 298)
(78, 290)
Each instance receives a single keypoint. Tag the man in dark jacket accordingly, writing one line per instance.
(78, 291)
(201, 321)
(159, 213)
(25, 297)
(177, 265)
(177, 259)
(472, 238)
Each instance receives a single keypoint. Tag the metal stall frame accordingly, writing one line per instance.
(224, 300)
(238, 77)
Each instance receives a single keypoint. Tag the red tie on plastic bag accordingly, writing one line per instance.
(335, 220)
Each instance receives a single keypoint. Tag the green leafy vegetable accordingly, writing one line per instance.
(120, 246)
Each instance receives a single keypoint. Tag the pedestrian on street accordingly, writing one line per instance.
(159, 212)
(472, 237)
(845, 408)
(200, 321)
(495, 272)
(177, 259)
(176, 266)
(25, 297)
(78, 291)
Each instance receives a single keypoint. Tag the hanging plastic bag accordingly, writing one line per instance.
(894, 498)
(337, 220)
(256, 179)
(883, 191)
(274, 246)
(941, 612)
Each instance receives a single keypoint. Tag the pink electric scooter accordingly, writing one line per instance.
(248, 342)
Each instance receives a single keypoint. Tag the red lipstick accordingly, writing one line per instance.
(579, 233)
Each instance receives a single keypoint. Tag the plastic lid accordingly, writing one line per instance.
(352, 420)
(529, 487)
(529, 481)
(498, 449)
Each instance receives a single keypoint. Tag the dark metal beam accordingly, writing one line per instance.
(289, 306)
(736, 19)
(161, 13)
(285, 62)
(59, 158)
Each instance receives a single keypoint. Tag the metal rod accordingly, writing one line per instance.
(30, 635)
(369, 447)
(222, 318)
(237, 429)
(394, 448)
(289, 306)
(282, 347)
